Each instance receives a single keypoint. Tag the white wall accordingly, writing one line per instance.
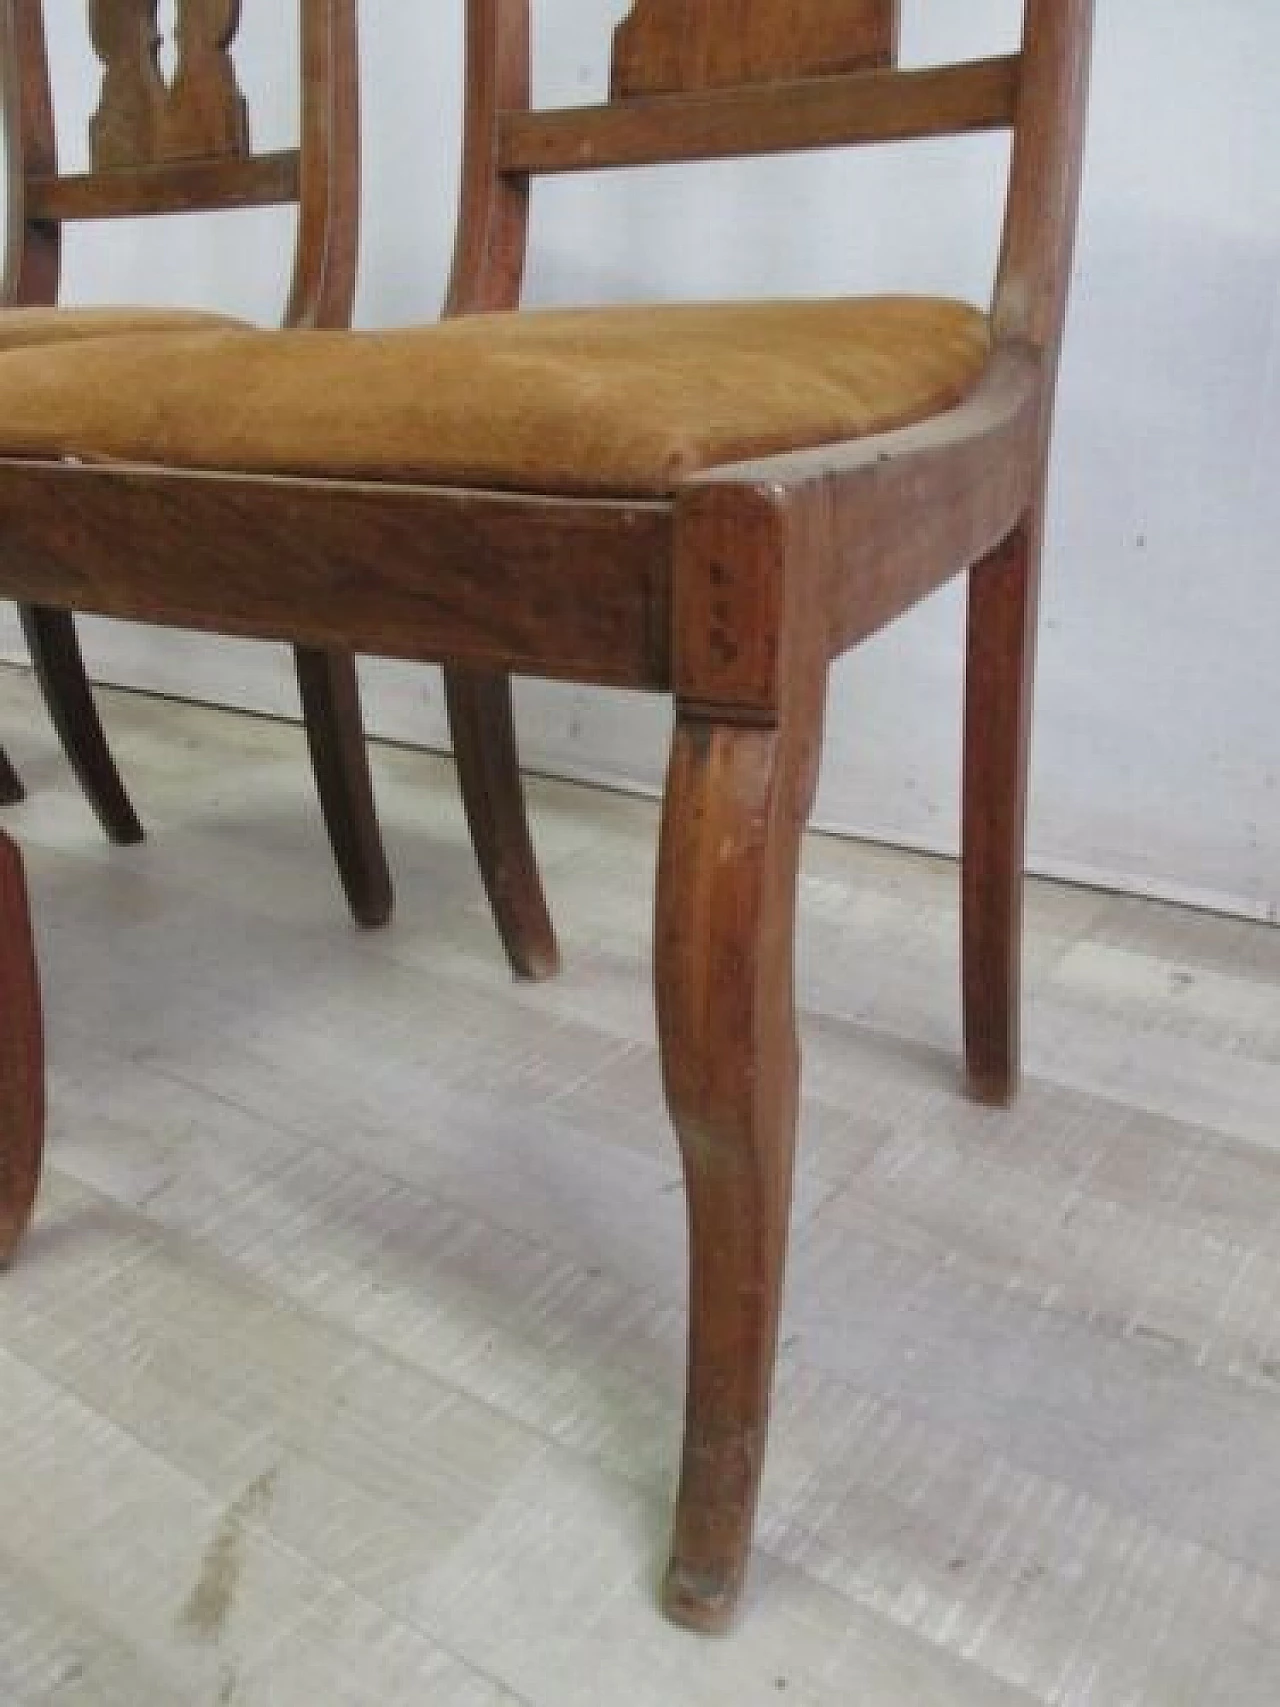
(1157, 764)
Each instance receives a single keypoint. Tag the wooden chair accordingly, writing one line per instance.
(156, 151)
(712, 502)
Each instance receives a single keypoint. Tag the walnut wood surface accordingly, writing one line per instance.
(1003, 609)
(204, 115)
(828, 112)
(665, 45)
(737, 801)
(55, 653)
(736, 596)
(21, 1058)
(193, 186)
(484, 746)
(126, 38)
(330, 693)
(559, 587)
(143, 120)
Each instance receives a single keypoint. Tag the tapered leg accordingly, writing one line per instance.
(330, 692)
(736, 804)
(1003, 609)
(55, 652)
(11, 789)
(21, 1059)
(484, 747)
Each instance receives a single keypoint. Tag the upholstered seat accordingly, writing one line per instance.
(609, 402)
(22, 327)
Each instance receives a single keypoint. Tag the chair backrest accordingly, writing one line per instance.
(183, 145)
(711, 79)
(676, 46)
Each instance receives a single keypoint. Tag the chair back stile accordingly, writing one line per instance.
(326, 254)
(33, 250)
(1044, 187)
(162, 147)
(491, 240)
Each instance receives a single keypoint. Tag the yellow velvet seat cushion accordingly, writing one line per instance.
(22, 327)
(607, 402)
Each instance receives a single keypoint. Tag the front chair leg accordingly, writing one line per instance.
(11, 789)
(55, 652)
(736, 805)
(330, 691)
(484, 748)
(1003, 611)
(21, 1059)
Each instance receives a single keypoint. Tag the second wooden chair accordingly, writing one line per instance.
(161, 149)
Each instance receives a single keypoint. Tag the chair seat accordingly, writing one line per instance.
(621, 402)
(22, 327)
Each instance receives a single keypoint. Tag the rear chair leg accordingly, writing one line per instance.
(21, 1059)
(11, 789)
(736, 804)
(55, 652)
(1003, 610)
(484, 747)
(330, 693)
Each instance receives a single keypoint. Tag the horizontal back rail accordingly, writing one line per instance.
(263, 180)
(817, 112)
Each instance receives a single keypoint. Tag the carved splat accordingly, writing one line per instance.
(205, 116)
(666, 46)
(126, 38)
(141, 120)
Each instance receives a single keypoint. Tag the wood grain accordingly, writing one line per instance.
(141, 119)
(665, 45)
(827, 112)
(482, 729)
(55, 652)
(204, 115)
(736, 804)
(126, 38)
(267, 180)
(21, 1058)
(329, 691)
(1003, 615)
(542, 586)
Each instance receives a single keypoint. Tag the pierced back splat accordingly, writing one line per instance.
(205, 117)
(126, 38)
(667, 47)
(142, 120)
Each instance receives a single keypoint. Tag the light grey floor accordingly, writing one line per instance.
(344, 1364)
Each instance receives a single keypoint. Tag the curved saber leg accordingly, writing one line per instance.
(55, 652)
(330, 692)
(484, 747)
(21, 1059)
(11, 789)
